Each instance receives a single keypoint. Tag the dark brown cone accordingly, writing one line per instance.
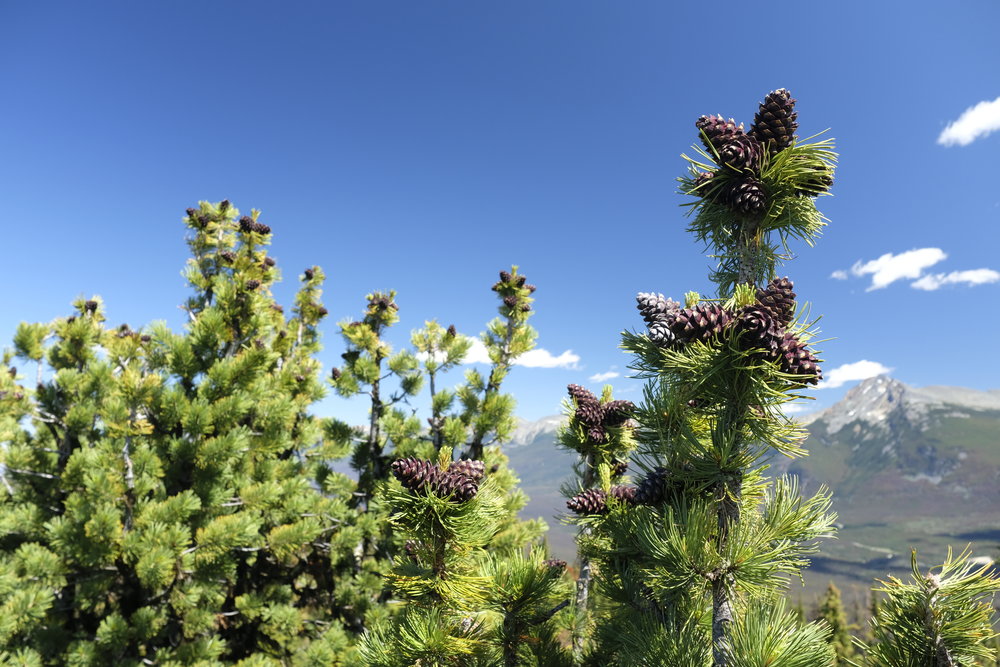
(597, 434)
(504, 277)
(699, 323)
(591, 501)
(278, 308)
(520, 281)
(470, 468)
(192, 213)
(580, 394)
(510, 301)
(335, 373)
(228, 255)
(717, 131)
(617, 412)
(652, 488)
(308, 274)
(653, 306)
(90, 306)
(253, 284)
(555, 564)
(224, 205)
(454, 485)
(774, 123)
(819, 182)
(660, 332)
(702, 184)
(246, 224)
(531, 288)
(743, 152)
(744, 195)
(779, 298)
(590, 413)
(269, 261)
(795, 358)
(414, 473)
(759, 328)
(623, 493)
(451, 331)
(322, 312)
(618, 468)
(261, 228)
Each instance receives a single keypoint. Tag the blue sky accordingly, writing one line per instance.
(425, 146)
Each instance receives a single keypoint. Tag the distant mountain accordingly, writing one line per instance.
(908, 467)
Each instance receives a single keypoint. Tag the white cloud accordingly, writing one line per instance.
(859, 370)
(839, 274)
(601, 377)
(889, 268)
(933, 281)
(793, 408)
(975, 122)
(537, 358)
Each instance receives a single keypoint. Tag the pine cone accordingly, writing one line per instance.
(818, 182)
(591, 501)
(504, 277)
(269, 261)
(228, 255)
(624, 494)
(410, 549)
(580, 394)
(590, 413)
(618, 468)
(192, 213)
(451, 484)
(278, 308)
(759, 328)
(617, 412)
(413, 473)
(555, 564)
(224, 205)
(308, 274)
(652, 306)
(779, 298)
(145, 338)
(653, 487)
(531, 288)
(774, 123)
(702, 184)
(253, 284)
(90, 306)
(261, 228)
(743, 152)
(520, 281)
(246, 224)
(744, 195)
(510, 301)
(699, 323)
(525, 308)
(335, 374)
(795, 358)
(451, 331)
(660, 332)
(717, 131)
(471, 468)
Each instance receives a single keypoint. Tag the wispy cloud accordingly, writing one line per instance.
(889, 268)
(839, 274)
(859, 370)
(975, 122)
(933, 281)
(603, 377)
(537, 358)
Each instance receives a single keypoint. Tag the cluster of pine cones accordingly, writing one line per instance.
(510, 288)
(740, 154)
(459, 483)
(248, 225)
(650, 491)
(761, 326)
(598, 417)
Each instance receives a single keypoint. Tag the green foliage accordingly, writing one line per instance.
(831, 611)
(937, 619)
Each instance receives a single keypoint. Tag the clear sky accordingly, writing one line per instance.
(423, 146)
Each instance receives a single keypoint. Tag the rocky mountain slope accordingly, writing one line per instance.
(909, 468)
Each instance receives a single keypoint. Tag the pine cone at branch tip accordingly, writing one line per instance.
(618, 468)
(504, 277)
(774, 124)
(278, 308)
(451, 331)
(555, 564)
(779, 298)
(323, 312)
(590, 413)
(699, 323)
(269, 261)
(90, 306)
(759, 328)
(525, 308)
(471, 468)
(145, 338)
(580, 394)
(591, 501)
(224, 205)
(660, 333)
(653, 306)
(701, 183)
(743, 152)
(744, 195)
(228, 255)
(795, 358)
(335, 374)
(253, 284)
(246, 224)
(520, 281)
(308, 273)
(617, 412)
(510, 301)
(652, 488)
(718, 131)
(192, 212)
(531, 288)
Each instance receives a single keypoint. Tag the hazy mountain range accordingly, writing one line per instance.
(908, 467)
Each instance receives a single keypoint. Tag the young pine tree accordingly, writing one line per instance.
(938, 619)
(167, 499)
(831, 611)
(694, 560)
